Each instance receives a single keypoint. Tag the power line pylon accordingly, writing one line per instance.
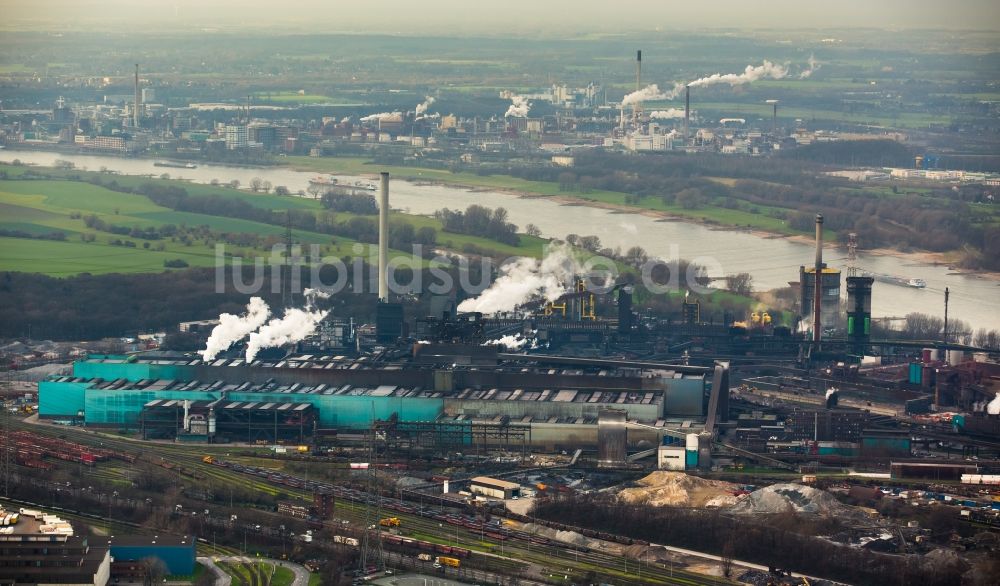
(372, 553)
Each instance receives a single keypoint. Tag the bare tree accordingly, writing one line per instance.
(256, 184)
(636, 256)
(532, 230)
(740, 283)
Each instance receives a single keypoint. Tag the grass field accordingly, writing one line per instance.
(294, 97)
(40, 207)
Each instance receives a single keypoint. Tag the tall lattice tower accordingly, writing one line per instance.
(372, 553)
(5, 447)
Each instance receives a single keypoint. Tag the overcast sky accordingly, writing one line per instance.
(502, 16)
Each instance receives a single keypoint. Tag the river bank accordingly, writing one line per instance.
(772, 260)
(946, 259)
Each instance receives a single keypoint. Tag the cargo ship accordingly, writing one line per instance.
(896, 280)
(175, 165)
(323, 181)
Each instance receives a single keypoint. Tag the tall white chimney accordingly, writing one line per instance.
(383, 240)
(138, 100)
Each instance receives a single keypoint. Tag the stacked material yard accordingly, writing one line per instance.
(677, 489)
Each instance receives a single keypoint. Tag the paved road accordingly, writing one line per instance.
(224, 579)
(221, 578)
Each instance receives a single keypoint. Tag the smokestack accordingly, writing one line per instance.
(818, 288)
(637, 106)
(774, 118)
(687, 110)
(638, 70)
(383, 240)
(135, 114)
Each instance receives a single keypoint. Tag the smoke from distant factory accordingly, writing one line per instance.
(813, 66)
(668, 114)
(519, 105)
(652, 92)
(524, 279)
(751, 74)
(381, 115)
(421, 110)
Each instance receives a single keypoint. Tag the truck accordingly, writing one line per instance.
(389, 522)
(447, 561)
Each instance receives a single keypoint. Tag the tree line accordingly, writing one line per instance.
(783, 540)
(482, 221)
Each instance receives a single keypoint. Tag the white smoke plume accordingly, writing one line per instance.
(813, 66)
(652, 92)
(749, 75)
(381, 115)
(525, 279)
(668, 114)
(831, 391)
(993, 408)
(511, 342)
(421, 108)
(292, 327)
(519, 106)
(233, 328)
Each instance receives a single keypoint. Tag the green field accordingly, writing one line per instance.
(41, 207)
(294, 97)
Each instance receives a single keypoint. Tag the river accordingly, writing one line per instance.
(773, 262)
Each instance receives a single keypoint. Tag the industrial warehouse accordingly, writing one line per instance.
(558, 408)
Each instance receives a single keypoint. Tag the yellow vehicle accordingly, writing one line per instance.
(446, 561)
(389, 522)
(208, 459)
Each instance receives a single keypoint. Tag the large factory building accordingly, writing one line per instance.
(167, 395)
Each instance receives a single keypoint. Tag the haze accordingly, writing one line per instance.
(509, 17)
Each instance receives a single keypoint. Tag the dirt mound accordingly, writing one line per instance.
(677, 489)
(570, 537)
(783, 498)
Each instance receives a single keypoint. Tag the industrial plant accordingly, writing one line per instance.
(657, 422)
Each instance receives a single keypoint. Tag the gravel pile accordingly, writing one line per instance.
(783, 498)
(677, 489)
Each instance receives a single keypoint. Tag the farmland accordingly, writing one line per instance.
(52, 226)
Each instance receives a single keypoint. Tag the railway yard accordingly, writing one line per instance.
(103, 470)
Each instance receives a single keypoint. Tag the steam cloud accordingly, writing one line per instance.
(831, 391)
(813, 66)
(519, 106)
(749, 75)
(669, 114)
(512, 342)
(652, 92)
(993, 408)
(524, 279)
(292, 327)
(380, 115)
(421, 108)
(233, 328)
